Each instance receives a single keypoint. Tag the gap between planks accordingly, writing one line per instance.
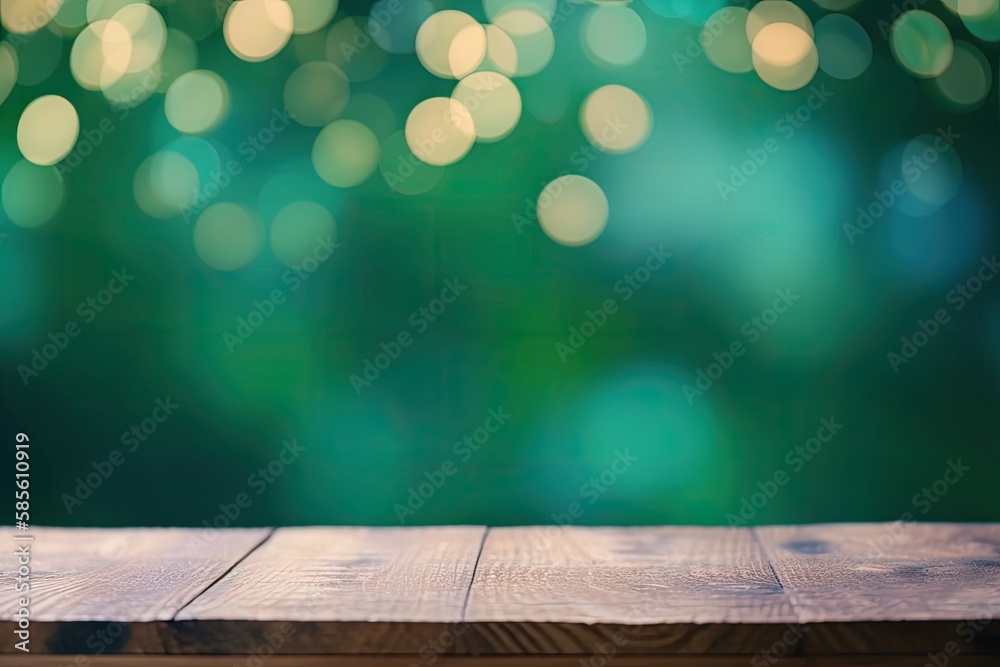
(270, 534)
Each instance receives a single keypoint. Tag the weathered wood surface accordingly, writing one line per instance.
(112, 590)
(343, 590)
(895, 587)
(684, 590)
(136, 575)
(419, 575)
(670, 596)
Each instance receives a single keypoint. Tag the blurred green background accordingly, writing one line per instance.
(610, 426)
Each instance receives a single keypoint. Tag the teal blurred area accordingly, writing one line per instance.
(441, 359)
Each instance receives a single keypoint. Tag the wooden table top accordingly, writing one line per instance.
(839, 594)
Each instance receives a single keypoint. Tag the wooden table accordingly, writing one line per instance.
(846, 595)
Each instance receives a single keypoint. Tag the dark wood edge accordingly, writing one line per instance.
(454, 661)
(497, 640)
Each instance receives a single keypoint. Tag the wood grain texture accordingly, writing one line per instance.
(631, 576)
(417, 575)
(134, 575)
(831, 595)
(887, 572)
(667, 590)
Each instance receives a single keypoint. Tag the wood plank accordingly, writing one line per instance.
(899, 587)
(561, 590)
(111, 590)
(343, 590)
(134, 575)
(491, 661)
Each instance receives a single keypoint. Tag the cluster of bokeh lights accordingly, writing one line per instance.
(130, 50)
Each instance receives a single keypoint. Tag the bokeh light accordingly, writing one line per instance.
(613, 35)
(32, 195)
(102, 10)
(544, 8)
(941, 248)
(501, 54)
(784, 56)
(296, 181)
(724, 39)
(311, 15)
(450, 44)
(197, 18)
(164, 184)
(493, 101)
(345, 153)
(147, 35)
(845, 49)
(964, 86)
(573, 210)
(769, 12)
(616, 119)
(836, 5)
(197, 102)
(440, 131)
(71, 16)
(643, 403)
(227, 236)
(180, 56)
(256, 30)
(373, 111)
(48, 130)
(403, 171)
(934, 174)
(921, 44)
(393, 24)
(100, 54)
(532, 37)
(695, 12)
(299, 229)
(8, 70)
(316, 93)
(27, 16)
(350, 47)
(981, 18)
